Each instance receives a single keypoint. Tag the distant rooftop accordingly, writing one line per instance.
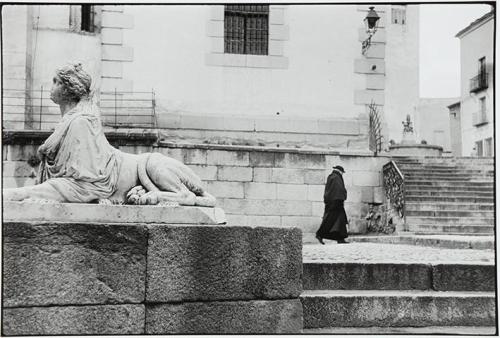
(476, 23)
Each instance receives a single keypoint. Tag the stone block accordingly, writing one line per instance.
(318, 208)
(217, 45)
(255, 190)
(238, 123)
(98, 213)
(112, 36)
(21, 152)
(268, 221)
(375, 81)
(109, 84)
(112, 69)
(239, 174)
(363, 178)
(236, 220)
(117, 53)
(262, 174)
(217, 13)
(368, 96)
(205, 172)
(233, 158)
(344, 127)
(376, 51)
(232, 317)
(177, 153)
(225, 60)
(276, 16)
(215, 28)
(284, 175)
(315, 177)
(116, 20)
(262, 159)
(315, 193)
(397, 308)
(214, 263)
(295, 192)
(267, 207)
(226, 189)
(306, 161)
(369, 66)
(463, 277)
(74, 320)
(194, 156)
(304, 223)
(278, 32)
(367, 276)
(276, 47)
(71, 263)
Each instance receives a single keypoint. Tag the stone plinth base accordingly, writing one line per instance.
(93, 274)
(415, 150)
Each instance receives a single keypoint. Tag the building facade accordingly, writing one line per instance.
(275, 72)
(477, 92)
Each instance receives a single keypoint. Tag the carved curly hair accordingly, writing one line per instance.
(76, 81)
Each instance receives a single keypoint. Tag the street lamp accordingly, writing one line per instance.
(371, 21)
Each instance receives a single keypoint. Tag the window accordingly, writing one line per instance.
(87, 24)
(482, 65)
(398, 14)
(479, 148)
(246, 29)
(82, 18)
(488, 147)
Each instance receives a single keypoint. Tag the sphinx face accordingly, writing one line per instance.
(57, 91)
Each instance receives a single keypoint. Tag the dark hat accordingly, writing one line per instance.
(339, 168)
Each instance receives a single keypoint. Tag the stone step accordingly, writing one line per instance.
(398, 276)
(397, 308)
(451, 229)
(446, 177)
(450, 220)
(448, 206)
(426, 330)
(422, 191)
(451, 213)
(435, 240)
(410, 197)
(430, 233)
(437, 167)
(449, 183)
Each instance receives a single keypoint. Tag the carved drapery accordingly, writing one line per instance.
(394, 186)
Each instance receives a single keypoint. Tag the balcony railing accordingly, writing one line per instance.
(479, 118)
(36, 110)
(479, 82)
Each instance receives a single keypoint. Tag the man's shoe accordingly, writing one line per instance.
(320, 239)
(342, 241)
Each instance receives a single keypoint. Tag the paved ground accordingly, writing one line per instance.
(443, 330)
(392, 253)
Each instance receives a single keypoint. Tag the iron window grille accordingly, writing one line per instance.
(246, 29)
(87, 24)
(398, 14)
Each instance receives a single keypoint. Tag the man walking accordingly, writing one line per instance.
(334, 221)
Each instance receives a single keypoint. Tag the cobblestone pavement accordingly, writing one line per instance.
(392, 253)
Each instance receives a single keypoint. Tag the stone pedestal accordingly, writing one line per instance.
(415, 150)
(74, 269)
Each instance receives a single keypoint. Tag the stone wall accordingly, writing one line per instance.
(128, 276)
(255, 186)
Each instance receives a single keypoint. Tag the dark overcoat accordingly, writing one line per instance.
(334, 221)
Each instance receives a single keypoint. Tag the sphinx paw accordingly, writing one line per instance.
(105, 201)
(149, 198)
(135, 194)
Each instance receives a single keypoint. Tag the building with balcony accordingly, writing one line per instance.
(272, 74)
(473, 115)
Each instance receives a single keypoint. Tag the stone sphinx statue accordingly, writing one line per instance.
(78, 165)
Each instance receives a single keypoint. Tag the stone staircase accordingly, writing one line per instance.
(405, 297)
(449, 195)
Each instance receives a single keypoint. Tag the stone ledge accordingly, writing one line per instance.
(97, 213)
(73, 320)
(232, 317)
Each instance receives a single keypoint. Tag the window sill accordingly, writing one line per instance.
(246, 61)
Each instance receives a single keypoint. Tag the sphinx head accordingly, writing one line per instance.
(70, 84)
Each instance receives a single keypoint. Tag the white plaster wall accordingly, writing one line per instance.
(432, 121)
(402, 64)
(473, 46)
(56, 48)
(170, 44)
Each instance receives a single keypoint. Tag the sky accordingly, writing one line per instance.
(440, 49)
